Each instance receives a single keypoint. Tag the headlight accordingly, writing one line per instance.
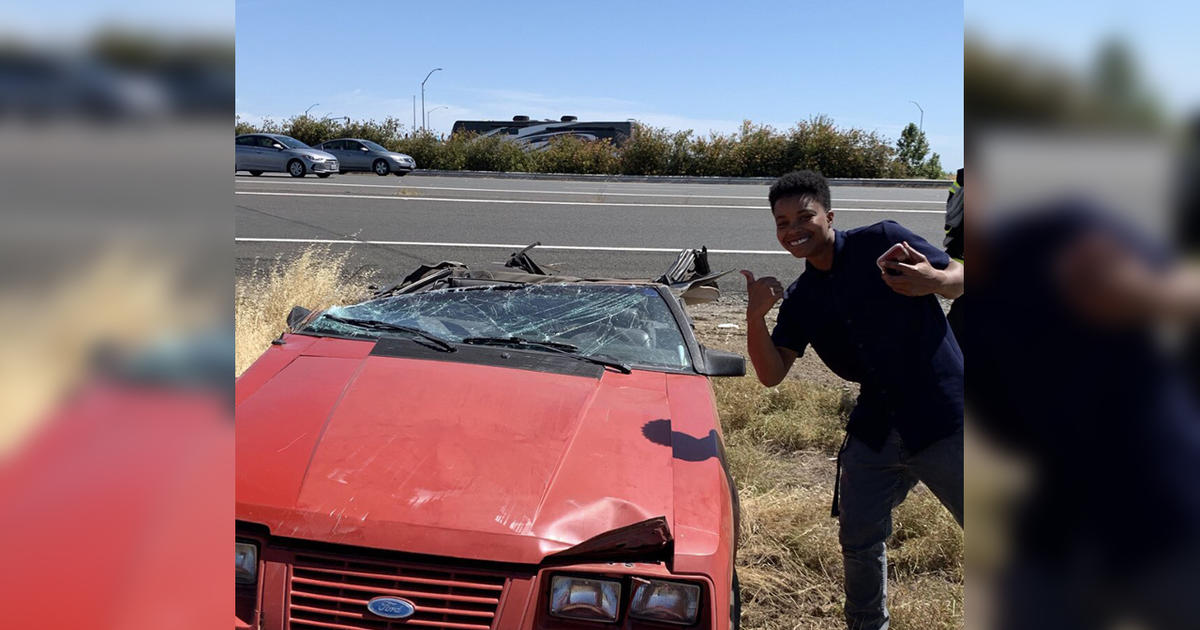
(583, 598)
(247, 563)
(316, 158)
(669, 602)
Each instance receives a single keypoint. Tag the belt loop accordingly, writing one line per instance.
(837, 480)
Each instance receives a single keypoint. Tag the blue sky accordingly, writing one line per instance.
(681, 65)
(1161, 37)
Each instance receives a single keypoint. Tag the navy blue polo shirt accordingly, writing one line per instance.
(899, 348)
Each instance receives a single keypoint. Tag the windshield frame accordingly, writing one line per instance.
(287, 140)
(374, 146)
(683, 324)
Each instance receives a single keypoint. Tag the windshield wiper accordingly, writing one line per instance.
(374, 324)
(521, 341)
(551, 346)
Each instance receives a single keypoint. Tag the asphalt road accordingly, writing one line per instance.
(391, 225)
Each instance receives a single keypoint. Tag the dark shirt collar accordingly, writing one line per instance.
(839, 242)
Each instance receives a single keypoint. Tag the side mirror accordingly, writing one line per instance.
(277, 146)
(363, 149)
(721, 363)
(297, 315)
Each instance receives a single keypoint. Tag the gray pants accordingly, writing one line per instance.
(872, 484)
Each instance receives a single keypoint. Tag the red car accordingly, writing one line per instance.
(475, 450)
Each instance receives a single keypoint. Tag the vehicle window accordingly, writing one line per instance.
(374, 147)
(352, 145)
(291, 143)
(333, 145)
(267, 142)
(631, 324)
(247, 141)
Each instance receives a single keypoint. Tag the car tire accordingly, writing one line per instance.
(296, 168)
(735, 604)
(381, 168)
(256, 173)
(324, 175)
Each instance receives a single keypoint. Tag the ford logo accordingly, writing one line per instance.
(392, 607)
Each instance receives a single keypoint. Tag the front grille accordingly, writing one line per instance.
(332, 592)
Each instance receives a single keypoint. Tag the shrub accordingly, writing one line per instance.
(656, 151)
(752, 151)
(569, 154)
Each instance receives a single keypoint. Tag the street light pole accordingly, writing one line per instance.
(423, 119)
(414, 127)
(428, 115)
(922, 126)
(310, 107)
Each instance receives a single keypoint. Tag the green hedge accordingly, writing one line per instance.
(752, 151)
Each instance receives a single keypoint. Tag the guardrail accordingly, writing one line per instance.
(686, 179)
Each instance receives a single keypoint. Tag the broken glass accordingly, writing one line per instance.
(628, 323)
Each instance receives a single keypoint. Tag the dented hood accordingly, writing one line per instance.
(450, 459)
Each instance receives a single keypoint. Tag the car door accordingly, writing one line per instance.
(271, 154)
(245, 153)
(358, 159)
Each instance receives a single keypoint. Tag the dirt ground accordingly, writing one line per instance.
(722, 325)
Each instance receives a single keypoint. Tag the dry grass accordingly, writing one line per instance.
(315, 279)
(780, 443)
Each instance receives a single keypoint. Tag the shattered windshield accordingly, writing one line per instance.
(630, 324)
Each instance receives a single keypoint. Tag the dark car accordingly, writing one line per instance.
(356, 154)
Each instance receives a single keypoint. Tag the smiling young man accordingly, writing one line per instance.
(886, 332)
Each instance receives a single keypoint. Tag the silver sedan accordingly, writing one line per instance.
(259, 152)
(356, 154)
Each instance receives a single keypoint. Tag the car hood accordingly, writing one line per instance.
(444, 458)
(298, 152)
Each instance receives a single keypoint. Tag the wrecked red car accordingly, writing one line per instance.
(477, 449)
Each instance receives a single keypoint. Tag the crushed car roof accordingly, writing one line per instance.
(689, 278)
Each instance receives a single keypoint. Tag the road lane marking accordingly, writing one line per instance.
(596, 248)
(563, 203)
(558, 192)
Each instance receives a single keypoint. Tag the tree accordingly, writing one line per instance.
(911, 148)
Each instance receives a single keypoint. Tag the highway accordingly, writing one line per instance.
(594, 229)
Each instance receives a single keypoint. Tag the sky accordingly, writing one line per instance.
(704, 66)
(1161, 38)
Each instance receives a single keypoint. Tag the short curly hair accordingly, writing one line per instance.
(809, 184)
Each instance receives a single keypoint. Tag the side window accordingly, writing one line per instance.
(267, 142)
(336, 145)
(352, 145)
(247, 141)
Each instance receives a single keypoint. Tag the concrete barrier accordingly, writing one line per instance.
(685, 179)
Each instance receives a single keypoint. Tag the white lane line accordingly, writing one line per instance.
(597, 248)
(556, 192)
(564, 203)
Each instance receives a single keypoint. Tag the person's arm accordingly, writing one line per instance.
(771, 363)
